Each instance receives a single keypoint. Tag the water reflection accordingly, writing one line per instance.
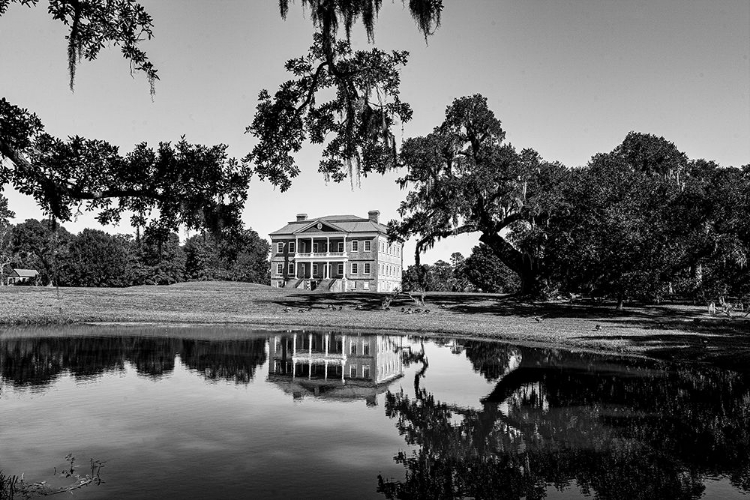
(36, 362)
(339, 366)
(442, 419)
(618, 429)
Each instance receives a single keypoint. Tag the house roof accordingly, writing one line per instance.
(26, 273)
(348, 223)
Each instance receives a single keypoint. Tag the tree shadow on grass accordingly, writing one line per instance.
(724, 343)
(489, 304)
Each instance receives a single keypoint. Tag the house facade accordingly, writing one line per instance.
(335, 365)
(338, 253)
(17, 276)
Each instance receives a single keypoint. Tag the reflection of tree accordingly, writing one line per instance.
(409, 356)
(491, 359)
(615, 434)
(234, 361)
(39, 361)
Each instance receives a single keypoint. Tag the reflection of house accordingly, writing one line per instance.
(17, 276)
(334, 365)
(337, 252)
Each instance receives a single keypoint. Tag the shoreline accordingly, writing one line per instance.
(677, 333)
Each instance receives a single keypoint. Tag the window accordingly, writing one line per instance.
(341, 247)
(291, 268)
(365, 348)
(353, 371)
(280, 247)
(315, 248)
(353, 349)
(291, 247)
(279, 268)
(315, 269)
(367, 268)
(340, 270)
(355, 269)
(366, 371)
(355, 246)
(367, 246)
(366, 285)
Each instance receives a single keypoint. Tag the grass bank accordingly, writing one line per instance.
(676, 332)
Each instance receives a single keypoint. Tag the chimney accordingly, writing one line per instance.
(301, 217)
(373, 215)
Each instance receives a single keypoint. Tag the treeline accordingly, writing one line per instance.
(640, 222)
(37, 362)
(482, 271)
(97, 259)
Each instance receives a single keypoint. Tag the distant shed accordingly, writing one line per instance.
(17, 276)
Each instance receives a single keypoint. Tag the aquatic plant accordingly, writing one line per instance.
(17, 487)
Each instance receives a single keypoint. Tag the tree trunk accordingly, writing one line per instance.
(524, 265)
(620, 302)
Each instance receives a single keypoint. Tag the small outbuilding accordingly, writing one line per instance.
(25, 276)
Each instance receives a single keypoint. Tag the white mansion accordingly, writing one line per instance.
(337, 253)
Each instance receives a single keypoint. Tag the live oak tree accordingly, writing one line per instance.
(347, 100)
(464, 179)
(185, 184)
(95, 24)
(486, 271)
(644, 217)
(366, 105)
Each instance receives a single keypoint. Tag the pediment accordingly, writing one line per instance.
(319, 226)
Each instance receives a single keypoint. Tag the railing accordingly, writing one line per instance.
(308, 255)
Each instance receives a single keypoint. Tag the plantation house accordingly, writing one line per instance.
(337, 253)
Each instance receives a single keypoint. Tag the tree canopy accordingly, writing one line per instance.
(644, 218)
(464, 179)
(186, 184)
(355, 121)
(63, 174)
(95, 24)
(155, 257)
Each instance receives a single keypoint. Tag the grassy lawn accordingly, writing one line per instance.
(669, 331)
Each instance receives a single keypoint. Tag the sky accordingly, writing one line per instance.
(568, 78)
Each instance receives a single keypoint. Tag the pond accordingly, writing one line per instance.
(209, 412)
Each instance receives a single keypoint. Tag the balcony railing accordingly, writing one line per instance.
(301, 255)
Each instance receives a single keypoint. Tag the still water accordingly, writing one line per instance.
(230, 413)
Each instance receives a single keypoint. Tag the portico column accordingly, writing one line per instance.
(328, 245)
(309, 356)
